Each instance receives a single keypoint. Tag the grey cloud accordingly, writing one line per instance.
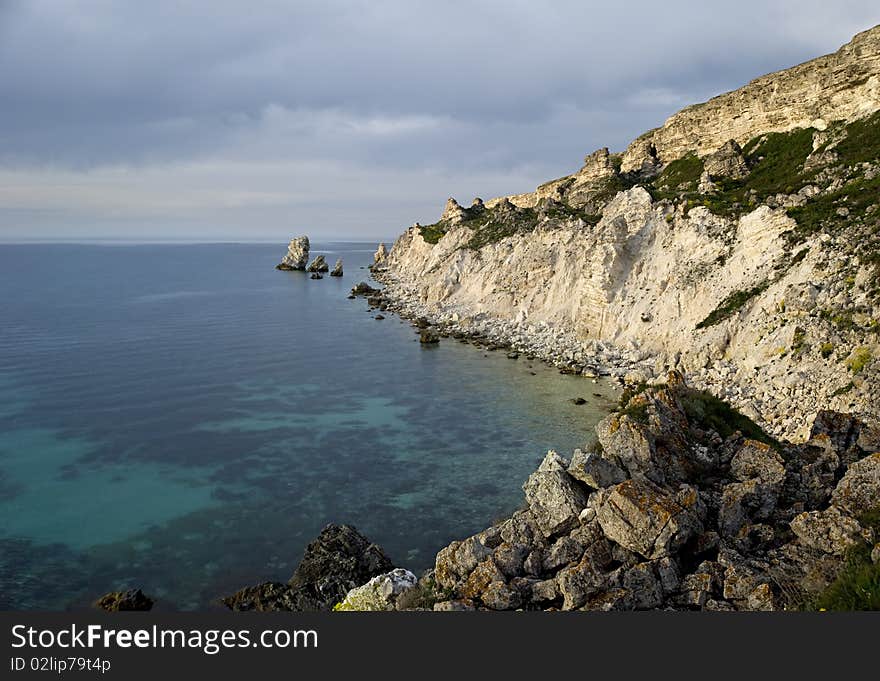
(446, 92)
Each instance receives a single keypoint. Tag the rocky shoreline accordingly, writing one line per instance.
(589, 358)
(542, 341)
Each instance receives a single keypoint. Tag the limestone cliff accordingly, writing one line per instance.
(743, 249)
(843, 85)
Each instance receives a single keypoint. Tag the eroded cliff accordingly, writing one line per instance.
(745, 254)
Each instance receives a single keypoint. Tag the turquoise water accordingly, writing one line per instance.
(185, 418)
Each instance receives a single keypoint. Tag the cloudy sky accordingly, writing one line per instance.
(258, 120)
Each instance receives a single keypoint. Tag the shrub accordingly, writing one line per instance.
(710, 413)
(859, 359)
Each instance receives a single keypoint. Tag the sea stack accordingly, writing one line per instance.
(380, 254)
(297, 254)
(319, 264)
(337, 269)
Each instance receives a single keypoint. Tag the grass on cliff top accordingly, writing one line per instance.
(497, 226)
(680, 176)
(432, 233)
(474, 218)
(731, 305)
(776, 161)
(857, 587)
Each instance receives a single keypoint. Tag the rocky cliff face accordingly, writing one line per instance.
(751, 263)
(839, 86)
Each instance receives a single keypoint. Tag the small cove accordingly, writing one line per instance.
(184, 418)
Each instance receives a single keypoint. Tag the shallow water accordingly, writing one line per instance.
(185, 418)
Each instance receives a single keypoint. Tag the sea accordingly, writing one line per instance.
(184, 419)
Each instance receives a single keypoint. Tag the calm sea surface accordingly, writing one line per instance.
(185, 418)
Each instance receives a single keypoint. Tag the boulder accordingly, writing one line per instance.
(744, 502)
(319, 264)
(267, 597)
(756, 460)
(380, 593)
(521, 528)
(859, 489)
(740, 578)
(457, 561)
(337, 561)
(510, 559)
(428, 336)
(297, 254)
(124, 601)
(586, 579)
(644, 587)
(316, 275)
(380, 255)
(454, 606)
(553, 496)
(829, 531)
(364, 289)
(762, 599)
(544, 590)
(851, 437)
(647, 519)
(337, 269)
(727, 162)
(696, 590)
(594, 470)
(501, 596)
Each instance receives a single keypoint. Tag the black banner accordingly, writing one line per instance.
(455, 645)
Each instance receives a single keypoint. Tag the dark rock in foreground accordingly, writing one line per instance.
(340, 559)
(122, 601)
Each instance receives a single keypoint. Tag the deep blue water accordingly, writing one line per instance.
(185, 418)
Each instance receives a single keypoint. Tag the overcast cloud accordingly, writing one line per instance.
(263, 119)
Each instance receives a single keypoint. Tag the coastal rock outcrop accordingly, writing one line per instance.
(364, 289)
(636, 544)
(297, 254)
(380, 255)
(337, 269)
(133, 600)
(336, 562)
(319, 264)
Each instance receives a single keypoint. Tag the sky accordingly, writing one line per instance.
(261, 120)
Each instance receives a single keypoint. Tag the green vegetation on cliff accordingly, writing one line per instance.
(731, 305)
